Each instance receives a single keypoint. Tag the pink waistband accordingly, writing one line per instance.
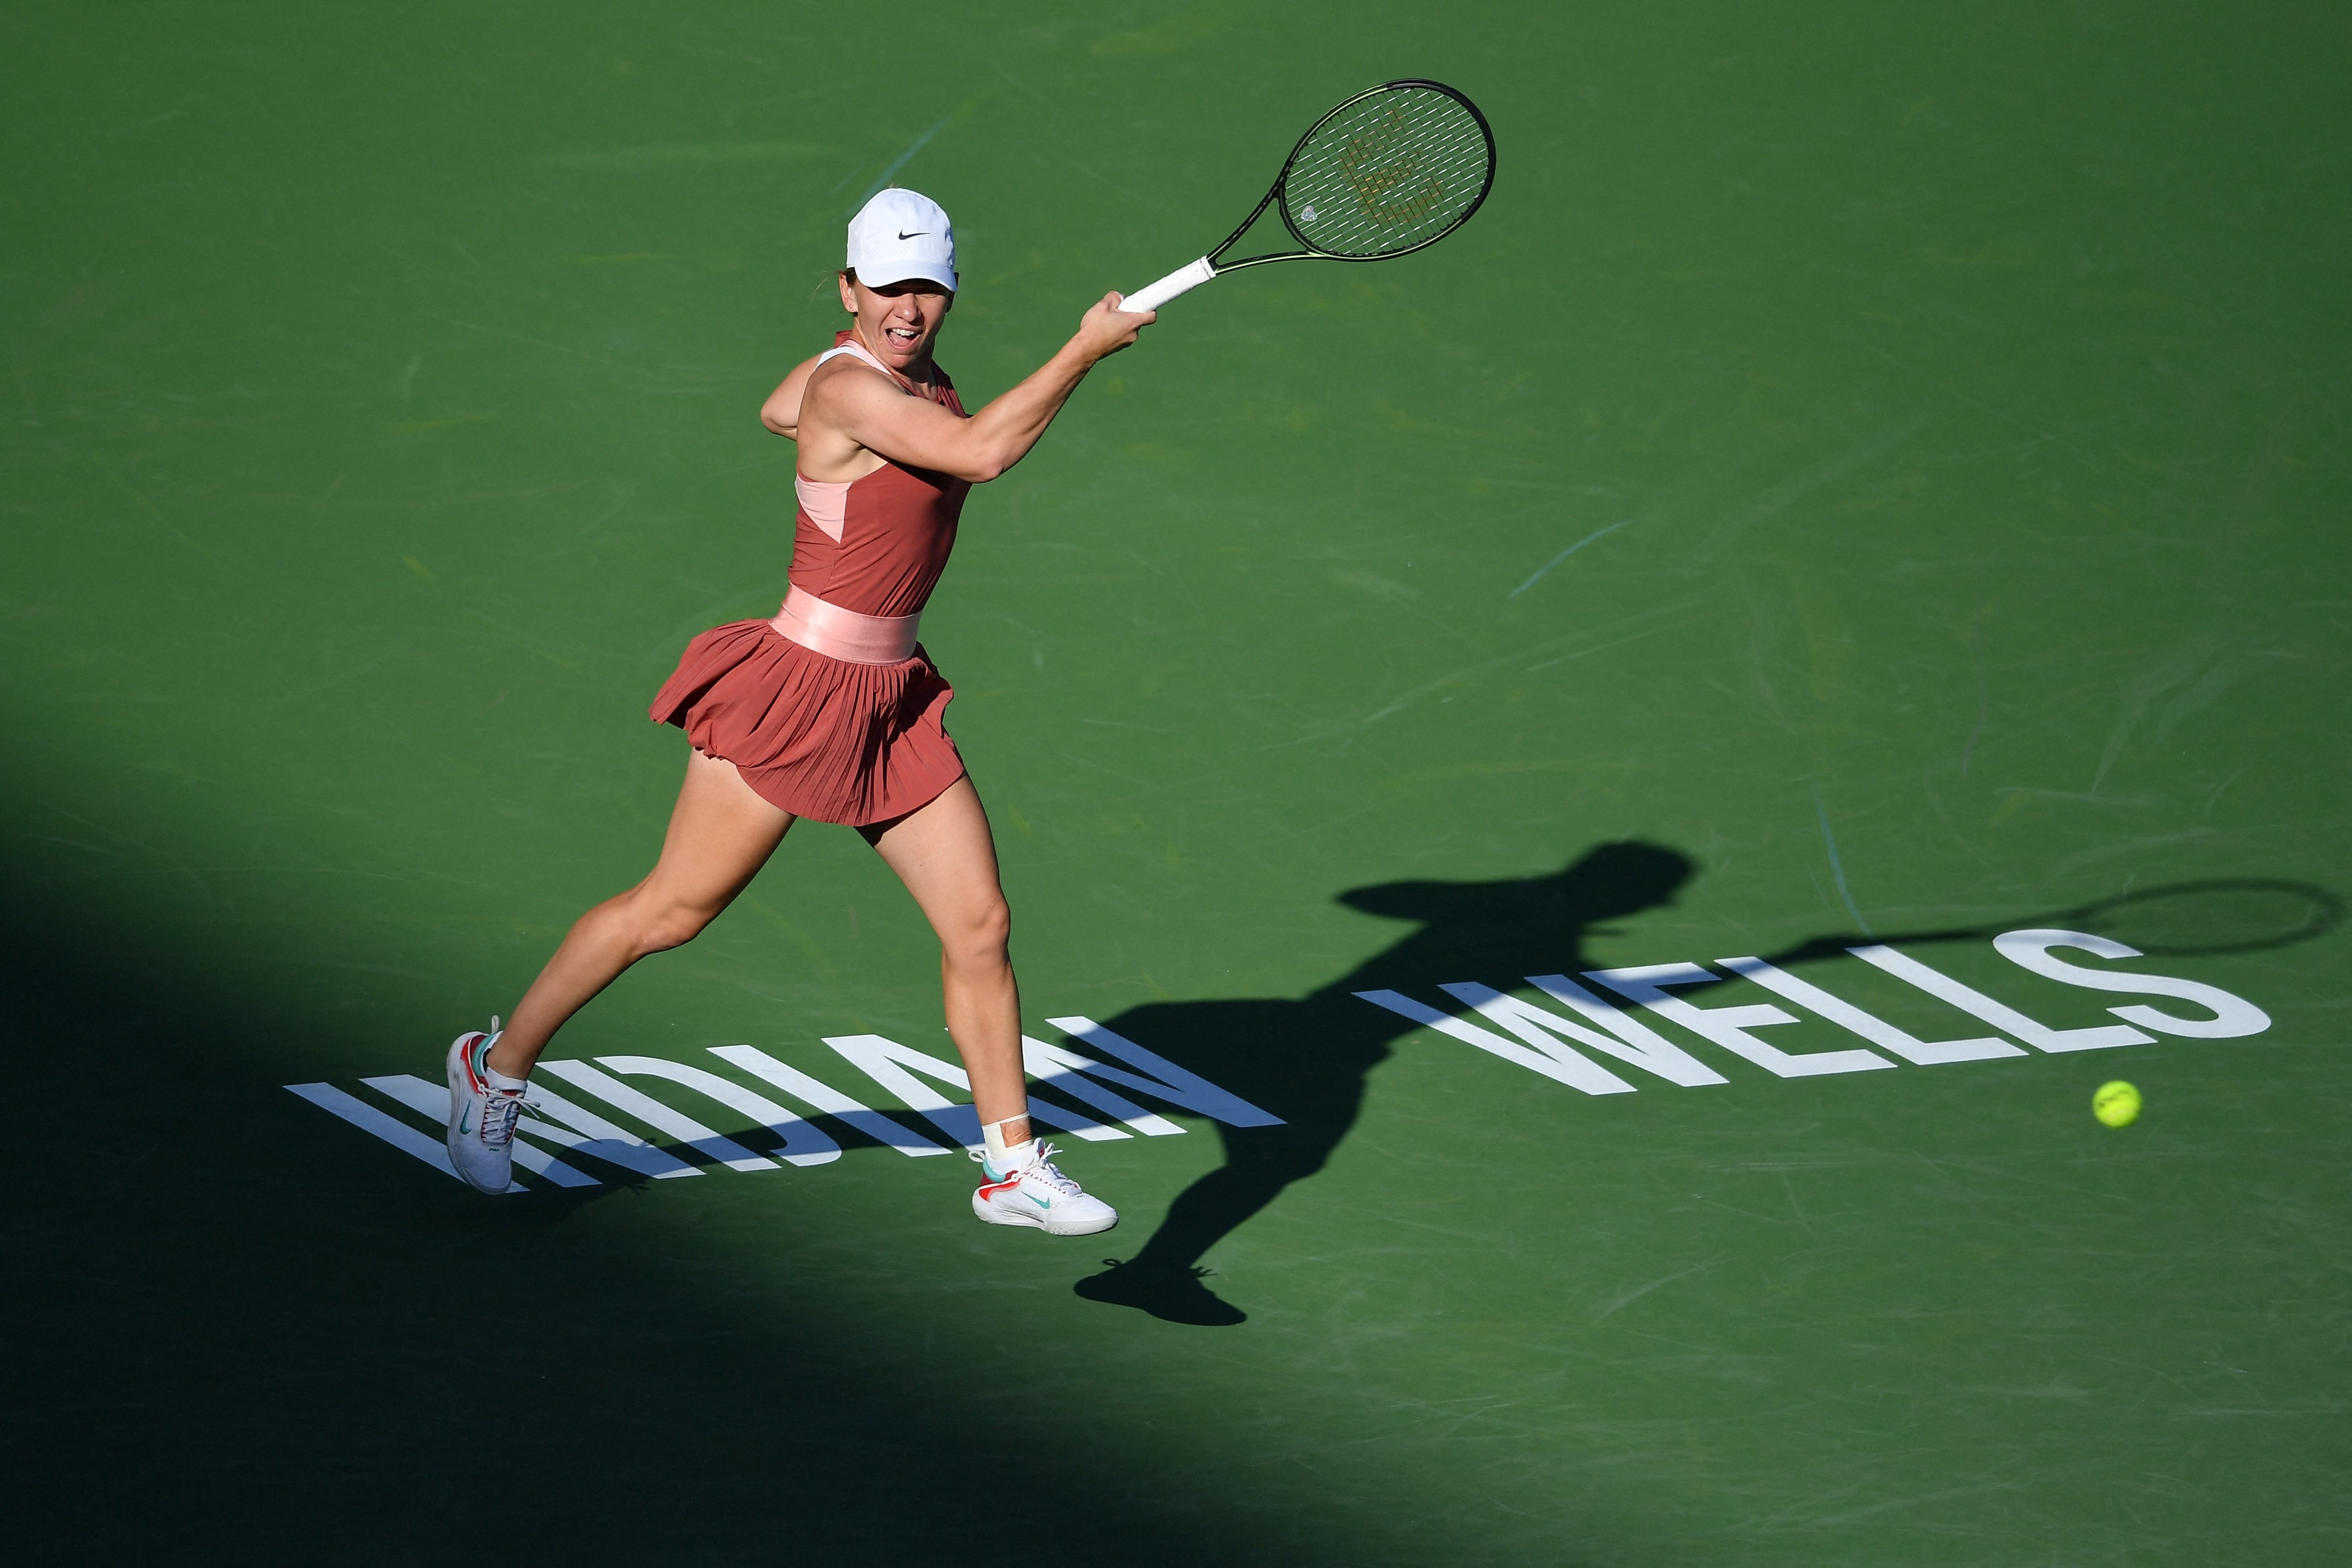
(844, 633)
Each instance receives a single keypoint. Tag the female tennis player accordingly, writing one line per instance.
(832, 711)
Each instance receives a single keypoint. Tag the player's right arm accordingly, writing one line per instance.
(914, 432)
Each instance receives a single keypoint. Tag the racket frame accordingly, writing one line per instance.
(1192, 274)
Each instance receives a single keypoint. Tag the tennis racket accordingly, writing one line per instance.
(1388, 172)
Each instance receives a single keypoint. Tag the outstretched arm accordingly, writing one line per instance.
(781, 412)
(916, 433)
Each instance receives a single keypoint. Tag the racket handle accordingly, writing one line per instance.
(1183, 281)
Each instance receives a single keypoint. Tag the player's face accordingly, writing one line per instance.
(899, 321)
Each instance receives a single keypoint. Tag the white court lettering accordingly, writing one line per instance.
(1533, 1038)
(1549, 1058)
(1635, 1041)
(660, 1117)
(1871, 1027)
(802, 1143)
(818, 1095)
(1167, 1081)
(1537, 1027)
(1728, 1027)
(1065, 1070)
(2233, 1015)
(595, 1136)
(886, 1062)
(2000, 1014)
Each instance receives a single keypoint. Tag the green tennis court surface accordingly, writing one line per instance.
(1866, 479)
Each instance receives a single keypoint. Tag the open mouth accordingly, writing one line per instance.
(903, 335)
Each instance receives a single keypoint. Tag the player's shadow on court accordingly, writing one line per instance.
(1307, 1060)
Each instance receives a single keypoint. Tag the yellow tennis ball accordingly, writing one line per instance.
(2117, 1104)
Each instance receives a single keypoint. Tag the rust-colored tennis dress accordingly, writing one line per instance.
(832, 710)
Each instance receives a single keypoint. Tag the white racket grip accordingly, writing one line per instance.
(1183, 281)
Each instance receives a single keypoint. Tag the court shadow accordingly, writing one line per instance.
(243, 1337)
(1307, 1060)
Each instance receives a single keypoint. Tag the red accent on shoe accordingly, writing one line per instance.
(473, 1079)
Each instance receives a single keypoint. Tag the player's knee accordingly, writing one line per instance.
(981, 937)
(669, 926)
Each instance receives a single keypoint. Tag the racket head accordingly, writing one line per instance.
(1393, 169)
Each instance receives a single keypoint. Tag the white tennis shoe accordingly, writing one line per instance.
(482, 1115)
(1033, 1192)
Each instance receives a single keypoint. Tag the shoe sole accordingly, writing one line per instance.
(992, 1214)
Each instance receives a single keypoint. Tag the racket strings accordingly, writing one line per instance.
(1388, 173)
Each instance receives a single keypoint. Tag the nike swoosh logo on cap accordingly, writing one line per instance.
(916, 235)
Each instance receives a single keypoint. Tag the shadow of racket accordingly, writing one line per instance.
(2217, 915)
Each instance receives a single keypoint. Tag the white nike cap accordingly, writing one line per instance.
(902, 234)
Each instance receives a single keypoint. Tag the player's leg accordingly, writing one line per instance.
(944, 854)
(947, 858)
(720, 834)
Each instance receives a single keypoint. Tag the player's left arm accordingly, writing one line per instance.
(781, 412)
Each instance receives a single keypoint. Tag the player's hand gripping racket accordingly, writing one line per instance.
(1383, 175)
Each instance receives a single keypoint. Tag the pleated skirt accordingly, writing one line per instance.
(819, 737)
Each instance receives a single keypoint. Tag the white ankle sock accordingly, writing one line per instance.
(1001, 1154)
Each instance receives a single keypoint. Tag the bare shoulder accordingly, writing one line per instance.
(847, 381)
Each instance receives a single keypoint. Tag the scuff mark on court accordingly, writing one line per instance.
(1619, 1302)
